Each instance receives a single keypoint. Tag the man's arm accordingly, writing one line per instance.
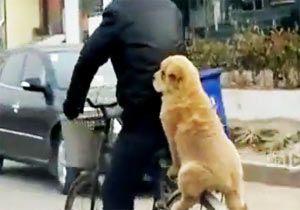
(95, 53)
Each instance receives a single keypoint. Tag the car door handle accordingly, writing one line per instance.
(16, 107)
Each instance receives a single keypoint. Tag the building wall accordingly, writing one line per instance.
(95, 21)
(261, 104)
(55, 14)
(77, 21)
(203, 14)
(197, 16)
(22, 17)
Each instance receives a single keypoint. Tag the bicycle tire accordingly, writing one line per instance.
(80, 182)
(208, 200)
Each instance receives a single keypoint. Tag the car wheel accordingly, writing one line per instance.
(65, 175)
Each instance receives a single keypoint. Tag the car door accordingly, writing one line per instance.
(35, 110)
(10, 135)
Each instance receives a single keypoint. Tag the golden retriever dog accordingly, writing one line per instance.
(203, 157)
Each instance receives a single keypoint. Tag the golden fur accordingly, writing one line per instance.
(203, 157)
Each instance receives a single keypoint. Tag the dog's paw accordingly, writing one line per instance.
(173, 172)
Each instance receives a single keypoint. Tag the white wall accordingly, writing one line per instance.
(106, 2)
(72, 27)
(21, 18)
(94, 22)
(71, 21)
(261, 104)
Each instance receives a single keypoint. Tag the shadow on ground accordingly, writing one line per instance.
(13, 171)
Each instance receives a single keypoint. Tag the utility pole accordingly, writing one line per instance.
(3, 27)
(72, 26)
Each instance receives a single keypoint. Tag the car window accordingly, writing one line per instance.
(34, 68)
(63, 64)
(12, 71)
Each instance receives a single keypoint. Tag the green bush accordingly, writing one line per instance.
(253, 50)
(212, 54)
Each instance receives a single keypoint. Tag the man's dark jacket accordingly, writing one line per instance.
(137, 35)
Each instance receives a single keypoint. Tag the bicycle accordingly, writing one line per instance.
(88, 182)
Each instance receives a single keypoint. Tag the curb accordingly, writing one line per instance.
(271, 174)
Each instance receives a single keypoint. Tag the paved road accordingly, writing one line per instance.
(31, 188)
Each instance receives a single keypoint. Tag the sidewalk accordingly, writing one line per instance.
(265, 197)
(52, 40)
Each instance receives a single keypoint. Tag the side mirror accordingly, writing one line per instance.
(33, 84)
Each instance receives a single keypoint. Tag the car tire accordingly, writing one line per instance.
(65, 175)
(1, 164)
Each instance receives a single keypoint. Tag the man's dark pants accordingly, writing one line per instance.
(140, 138)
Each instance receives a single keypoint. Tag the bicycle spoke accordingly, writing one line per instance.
(84, 203)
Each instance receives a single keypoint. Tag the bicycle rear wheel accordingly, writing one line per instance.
(79, 196)
(208, 201)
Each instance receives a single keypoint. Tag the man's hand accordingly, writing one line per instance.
(70, 110)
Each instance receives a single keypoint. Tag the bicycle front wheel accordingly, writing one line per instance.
(80, 194)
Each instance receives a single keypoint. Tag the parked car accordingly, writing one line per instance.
(33, 85)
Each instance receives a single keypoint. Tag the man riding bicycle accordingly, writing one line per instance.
(136, 35)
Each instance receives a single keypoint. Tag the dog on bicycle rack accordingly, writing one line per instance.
(203, 157)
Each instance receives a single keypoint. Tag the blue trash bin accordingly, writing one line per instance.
(212, 85)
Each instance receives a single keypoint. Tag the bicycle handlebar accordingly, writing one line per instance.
(97, 106)
(111, 110)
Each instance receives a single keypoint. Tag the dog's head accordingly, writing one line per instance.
(176, 73)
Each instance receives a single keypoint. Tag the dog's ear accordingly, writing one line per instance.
(174, 74)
